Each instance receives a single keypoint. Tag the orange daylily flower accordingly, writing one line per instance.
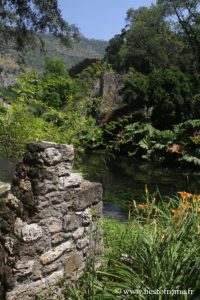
(185, 195)
(176, 212)
(142, 205)
(176, 148)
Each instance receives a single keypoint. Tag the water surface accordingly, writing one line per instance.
(124, 179)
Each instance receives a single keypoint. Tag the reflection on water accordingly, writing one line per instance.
(7, 167)
(6, 173)
(124, 179)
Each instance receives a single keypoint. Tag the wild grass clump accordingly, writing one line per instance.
(158, 249)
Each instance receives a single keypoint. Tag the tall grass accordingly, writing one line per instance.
(156, 251)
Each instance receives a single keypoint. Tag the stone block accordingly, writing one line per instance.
(52, 224)
(63, 169)
(44, 187)
(9, 277)
(89, 193)
(60, 237)
(63, 208)
(78, 233)
(54, 277)
(81, 244)
(50, 156)
(55, 253)
(36, 271)
(55, 197)
(73, 180)
(73, 262)
(86, 216)
(66, 152)
(27, 232)
(70, 222)
(27, 291)
(23, 267)
(13, 201)
(8, 217)
(34, 249)
(25, 185)
(51, 267)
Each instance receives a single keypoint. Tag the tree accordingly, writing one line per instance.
(187, 13)
(165, 96)
(147, 42)
(55, 66)
(113, 51)
(135, 91)
(21, 19)
(171, 92)
(56, 84)
(82, 65)
(52, 88)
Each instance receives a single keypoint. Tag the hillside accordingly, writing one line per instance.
(84, 48)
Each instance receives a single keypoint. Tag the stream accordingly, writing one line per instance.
(124, 180)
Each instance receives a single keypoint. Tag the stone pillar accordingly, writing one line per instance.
(49, 222)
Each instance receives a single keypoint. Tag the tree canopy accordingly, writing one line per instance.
(164, 35)
(21, 19)
(187, 15)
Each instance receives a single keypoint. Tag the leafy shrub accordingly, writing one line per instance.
(165, 96)
(18, 126)
(46, 106)
(179, 145)
(52, 88)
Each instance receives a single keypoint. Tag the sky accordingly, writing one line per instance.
(99, 19)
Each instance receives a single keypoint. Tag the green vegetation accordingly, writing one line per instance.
(79, 50)
(19, 21)
(49, 107)
(165, 96)
(164, 35)
(142, 140)
(158, 118)
(158, 55)
(18, 126)
(156, 250)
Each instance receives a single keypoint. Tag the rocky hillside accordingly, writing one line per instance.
(34, 59)
(84, 48)
(9, 70)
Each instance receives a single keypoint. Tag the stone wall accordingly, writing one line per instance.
(107, 87)
(49, 222)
